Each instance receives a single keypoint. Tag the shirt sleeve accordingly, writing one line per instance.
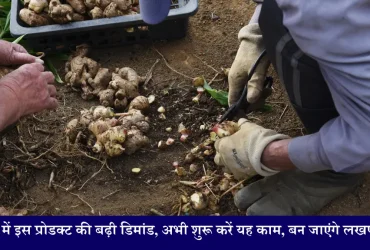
(343, 143)
(334, 35)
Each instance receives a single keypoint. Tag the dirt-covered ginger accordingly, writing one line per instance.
(109, 132)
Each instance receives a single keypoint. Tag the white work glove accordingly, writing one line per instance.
(241, 152)
(251, 46)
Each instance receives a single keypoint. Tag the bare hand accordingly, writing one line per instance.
(15, 54)
(30, 88)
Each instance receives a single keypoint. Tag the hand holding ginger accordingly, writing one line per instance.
(15, 54)
(25, 91)
(241, 152)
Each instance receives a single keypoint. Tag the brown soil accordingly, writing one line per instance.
(209, 44)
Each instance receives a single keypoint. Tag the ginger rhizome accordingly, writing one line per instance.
(109, 132)
(113, 89)
(45, 12)
(101, 128)
(206, 149)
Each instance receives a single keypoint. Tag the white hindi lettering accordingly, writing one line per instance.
(150, 230)
(41, 230)
(25, 230)
(245, 230)
(199, 230)
(144, 230)
(52, 230)
(225, 229)
(167, 230)
(84, 228)
(140, 230)
(128, 229)
(269, 230)
(296, 229)
(64, 230)
(325, 229)
(181, 229)
(107, 230)
(348, 229)
(315, 229)
(359, 230)
(332, 229)
(6, 228)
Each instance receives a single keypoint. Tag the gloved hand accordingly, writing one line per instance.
(294, 192)
(251, 46)
(241, 152)
(15, 54)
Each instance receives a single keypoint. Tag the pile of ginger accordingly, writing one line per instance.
(104, 131)
(102, 128)
(113, 89)
(45, 12)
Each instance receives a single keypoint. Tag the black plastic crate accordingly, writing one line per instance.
(106, 32)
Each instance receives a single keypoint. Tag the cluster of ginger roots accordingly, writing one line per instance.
(114, 89)
(45, 12)
(101, 128)
(104, 131)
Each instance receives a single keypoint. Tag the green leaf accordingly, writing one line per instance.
(5, 8)
(219, 95)
(19, 39)
(266, 108)
(6, 27)
(51, 67)
(2, 22)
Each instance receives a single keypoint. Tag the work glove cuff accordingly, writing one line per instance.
(251, 33)
(258, 141)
